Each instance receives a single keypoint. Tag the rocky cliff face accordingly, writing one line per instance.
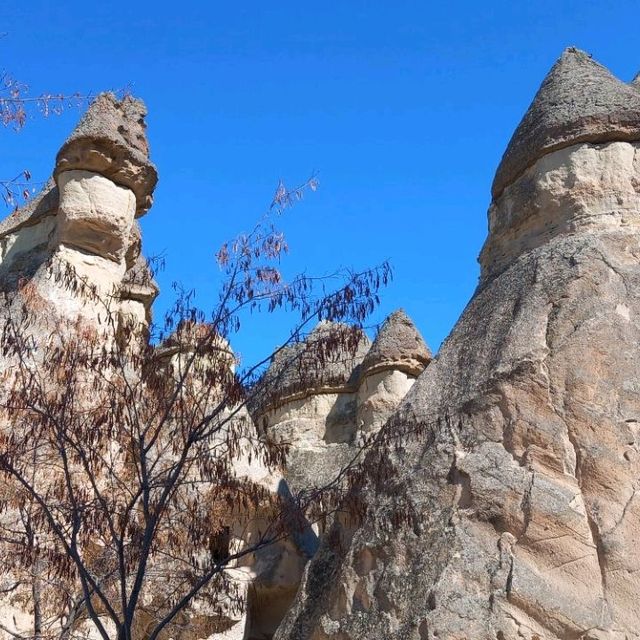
(508, 507)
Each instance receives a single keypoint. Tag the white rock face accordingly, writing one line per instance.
(325, 419)
(134, 311)
(581, 187)
(93, 232)
(379, 395)
(95, 214)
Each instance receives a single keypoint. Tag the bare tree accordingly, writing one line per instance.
(120, 448)
(16, 106)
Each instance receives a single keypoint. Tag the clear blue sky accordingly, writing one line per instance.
(404, 109)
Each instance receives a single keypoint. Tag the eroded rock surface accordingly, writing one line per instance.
(324, 406)
(111, 140)
(508, 507)
(74, 254)
(502, 496)
(83, 220)
(579, 101)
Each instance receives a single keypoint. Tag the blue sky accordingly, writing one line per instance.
(403, 108)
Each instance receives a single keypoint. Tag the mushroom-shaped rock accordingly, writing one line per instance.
(398, 345)
(111, 140)
(307, 398)
(326, 361)
(396, 358)
(578, 101)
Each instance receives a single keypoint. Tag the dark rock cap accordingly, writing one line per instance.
(399, 346)
(326, 361)
(111, 139)
(578, 101)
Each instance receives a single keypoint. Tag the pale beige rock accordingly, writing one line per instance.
(503, 494)
(111, 140)
(95, 215)
(397, 356)
(398, 346)
(325, 413)
(74, 253)
(379, 395)
(578, 101)
(577, 188)
(25, 236)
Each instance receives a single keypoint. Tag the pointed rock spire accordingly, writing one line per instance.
(398, 345)
(578, 101)
(111, 139)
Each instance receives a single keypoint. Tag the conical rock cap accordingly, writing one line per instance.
(111, 139)
(578, 101)
(328, 359)
(398, 345)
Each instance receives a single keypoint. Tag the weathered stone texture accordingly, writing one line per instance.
(111, 140)
(513, 461)
(324, 406)
(579, 101)
(78, 247)
(502, 495)
(399, 346)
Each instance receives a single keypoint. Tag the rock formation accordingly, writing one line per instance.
(501, 491)
(78, 242)
(324, 407)
(84, 218)
(397, 357)
(514, 492)
(579, 101)
(76, 249)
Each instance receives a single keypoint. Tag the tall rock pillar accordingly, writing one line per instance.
(514, 462)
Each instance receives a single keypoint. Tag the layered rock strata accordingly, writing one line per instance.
(508, 507)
